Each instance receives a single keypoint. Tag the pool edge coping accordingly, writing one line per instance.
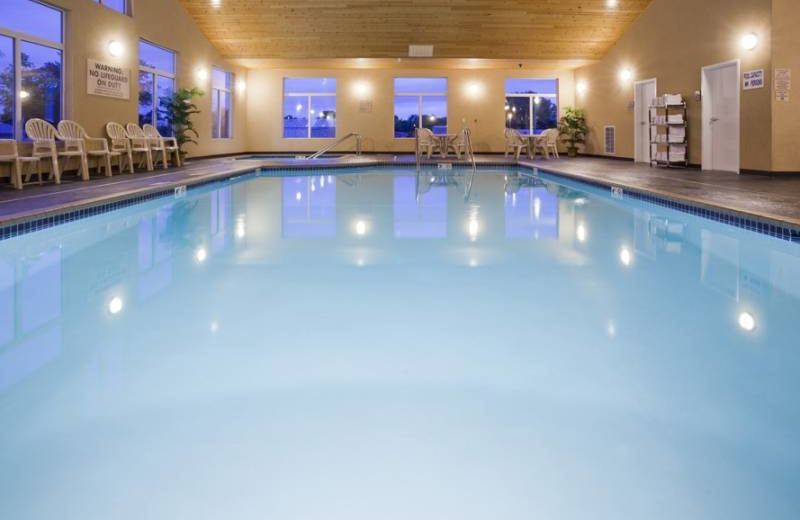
(22, 223)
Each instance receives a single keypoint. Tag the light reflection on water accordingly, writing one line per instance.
(371, 344)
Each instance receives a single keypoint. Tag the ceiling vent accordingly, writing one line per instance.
(420, 51)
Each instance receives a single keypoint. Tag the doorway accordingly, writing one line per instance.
(721, 116)
(644, 92)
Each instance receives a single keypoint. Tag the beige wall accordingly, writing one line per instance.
(89, 28)
(482, 112)
(671, 42)
(786, 115)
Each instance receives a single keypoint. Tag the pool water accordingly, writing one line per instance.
(285, 156)
(377, 344)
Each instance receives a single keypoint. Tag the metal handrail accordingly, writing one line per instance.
(468, 149)
(337, 143)
(468, 139)
(416, 147)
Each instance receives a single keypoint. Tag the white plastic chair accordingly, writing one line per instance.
(458, 144)
(135, 132)
(550, 138)
(121, 144)
(169, 144)
(44, 136)
(140, 143)
(428, 143)
(515, 143)
(9, 153)
(76, 138)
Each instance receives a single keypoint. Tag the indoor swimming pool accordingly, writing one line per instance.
(381, 344)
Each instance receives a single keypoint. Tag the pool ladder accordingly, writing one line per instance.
(351, 135)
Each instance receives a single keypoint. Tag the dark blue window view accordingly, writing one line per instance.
(117, 5)
(531, 105)
(309, 108)
(158, 58)
(221, 104)
(6, 87)
(39, 66)
(420, 103)
(41, 82)
(156, 86)
(32, 18)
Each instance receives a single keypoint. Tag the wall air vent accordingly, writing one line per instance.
(420, 51)
(610, 140)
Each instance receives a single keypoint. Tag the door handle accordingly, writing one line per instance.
(713, 120)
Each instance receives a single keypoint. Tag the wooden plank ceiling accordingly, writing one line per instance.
(511, 29)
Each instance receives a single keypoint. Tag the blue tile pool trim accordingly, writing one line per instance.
(764, 227)
(31, 226)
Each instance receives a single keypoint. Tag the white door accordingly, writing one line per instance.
(644, 92)
(720, 88)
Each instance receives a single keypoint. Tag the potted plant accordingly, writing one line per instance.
(572, 129)
(181, 109)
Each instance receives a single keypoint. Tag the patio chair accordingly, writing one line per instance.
(121, 144)
(44, 136)
(140, 144)
(515, 143)
(9, 153)
(550, 144)
(458, 144)
(428, 143)
(156, 147)
(169, 144)
(76, 138)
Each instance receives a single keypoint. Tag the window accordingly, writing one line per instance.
(31, 65)
(420, 103)
(309, 108)
(221, 104)
(117, 5)
(156, 86)
(531, 105)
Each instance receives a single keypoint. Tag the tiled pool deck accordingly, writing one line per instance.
(773, 201)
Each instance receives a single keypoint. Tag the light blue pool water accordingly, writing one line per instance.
(370, 345)
(285, 156)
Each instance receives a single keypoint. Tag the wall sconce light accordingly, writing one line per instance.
(474, 89)
(116, 48)
(626, 75)
(749, 41)
(361, 89)
(24, 94)
(202, 74)
(582, 87)
(241, 86)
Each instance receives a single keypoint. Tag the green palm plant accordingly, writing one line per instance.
(181, 110)
(572, 129)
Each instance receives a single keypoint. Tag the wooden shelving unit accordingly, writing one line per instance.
(669, 132)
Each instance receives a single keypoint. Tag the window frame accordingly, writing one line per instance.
(16, 40)
(126, 6)
(155, 73)
(531, 104)
(308, 96)
(419, 97)
(218, 92)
